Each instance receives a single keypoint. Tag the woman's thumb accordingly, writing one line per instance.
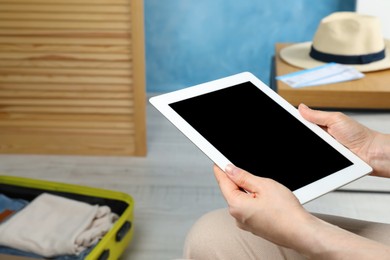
(240, 177)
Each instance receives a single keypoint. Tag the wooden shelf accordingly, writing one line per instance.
(370, 92)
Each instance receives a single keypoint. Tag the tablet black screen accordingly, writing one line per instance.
(260, 136)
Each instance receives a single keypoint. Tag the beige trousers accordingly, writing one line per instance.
(216, 236)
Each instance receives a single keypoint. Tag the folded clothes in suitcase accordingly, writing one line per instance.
(114, 242)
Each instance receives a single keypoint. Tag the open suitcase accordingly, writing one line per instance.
(113, 244)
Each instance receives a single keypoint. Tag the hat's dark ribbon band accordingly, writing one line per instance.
(347, 59)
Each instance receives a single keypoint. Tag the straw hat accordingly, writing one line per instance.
(346, 38)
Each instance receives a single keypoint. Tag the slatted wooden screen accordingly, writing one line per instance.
(72, 77)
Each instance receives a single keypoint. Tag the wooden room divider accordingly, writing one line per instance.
(72, 77)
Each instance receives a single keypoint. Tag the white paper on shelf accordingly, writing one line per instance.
(325, 74)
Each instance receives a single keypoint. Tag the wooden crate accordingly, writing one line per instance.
(72, 77)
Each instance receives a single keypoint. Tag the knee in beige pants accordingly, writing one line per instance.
(216, 236)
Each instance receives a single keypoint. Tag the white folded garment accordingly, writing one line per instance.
(52, 225)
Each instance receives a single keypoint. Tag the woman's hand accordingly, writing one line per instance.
(269, 210)
(272, 211)
(371, 146)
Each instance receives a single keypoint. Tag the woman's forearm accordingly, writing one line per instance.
(321, 240)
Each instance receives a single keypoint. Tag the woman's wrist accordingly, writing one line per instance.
(379, 155)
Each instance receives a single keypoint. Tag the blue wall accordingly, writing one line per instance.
(193, 41)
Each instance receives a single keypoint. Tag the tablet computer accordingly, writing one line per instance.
(240, 120)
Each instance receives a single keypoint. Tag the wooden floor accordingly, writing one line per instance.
(174, 185)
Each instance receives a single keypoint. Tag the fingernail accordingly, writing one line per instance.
(231, 170)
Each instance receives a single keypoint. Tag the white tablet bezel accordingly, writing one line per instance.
(305, 194)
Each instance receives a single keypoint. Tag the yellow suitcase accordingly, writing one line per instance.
(114, 243)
